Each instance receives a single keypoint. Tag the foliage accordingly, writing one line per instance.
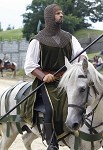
(0, 27)
(9, 27)
(35, 12)
(71, 22)
(11, 34)
(76, 12)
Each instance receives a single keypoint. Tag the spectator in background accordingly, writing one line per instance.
(6, 58)
(95, 60)
(100, 61)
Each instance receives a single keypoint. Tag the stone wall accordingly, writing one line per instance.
(16, 51)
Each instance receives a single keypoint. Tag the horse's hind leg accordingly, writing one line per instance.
(28, 139)
(14, 73)
(1, 73)
(7, 141)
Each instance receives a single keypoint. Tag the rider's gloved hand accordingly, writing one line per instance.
(49, 78)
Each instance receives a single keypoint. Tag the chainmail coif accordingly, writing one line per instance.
(52, 30)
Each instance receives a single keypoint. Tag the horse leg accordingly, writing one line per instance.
(14, 73)
(28, 139)
(1, 73)
(7, 141)
(0, 129)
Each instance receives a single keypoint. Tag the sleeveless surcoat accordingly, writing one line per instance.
(51, 59)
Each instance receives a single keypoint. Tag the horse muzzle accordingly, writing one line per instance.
(75, 122)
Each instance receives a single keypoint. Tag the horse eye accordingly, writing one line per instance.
(82, 89)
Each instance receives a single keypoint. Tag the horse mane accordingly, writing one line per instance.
(76, 70)
(96, 77)
(71, 73)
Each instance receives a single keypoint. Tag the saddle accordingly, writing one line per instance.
(39, 108)
(6, 63)
(39, 115)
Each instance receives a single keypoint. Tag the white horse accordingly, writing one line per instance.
(84, 87)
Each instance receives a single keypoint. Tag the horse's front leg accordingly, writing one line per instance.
(14, 73)
(1, 73)
(6, 142)
(28, 138)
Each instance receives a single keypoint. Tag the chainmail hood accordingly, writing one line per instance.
(51, 27)
(52, 31)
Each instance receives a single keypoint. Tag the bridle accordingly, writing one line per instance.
(83, 108)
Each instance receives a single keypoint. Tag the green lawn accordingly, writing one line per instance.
(17, 34)
(11, 34)
(87, 33)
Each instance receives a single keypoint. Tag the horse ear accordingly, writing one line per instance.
(67, 63)
(85, 65)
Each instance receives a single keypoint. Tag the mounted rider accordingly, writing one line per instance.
(6, 60)
(45, 55)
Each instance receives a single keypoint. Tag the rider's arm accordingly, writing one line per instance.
(32, 57)
(31, 66)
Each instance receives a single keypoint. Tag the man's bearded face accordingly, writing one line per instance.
(59, 16)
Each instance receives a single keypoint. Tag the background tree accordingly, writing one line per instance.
(76, 12)
(9, 27)
(0, 27)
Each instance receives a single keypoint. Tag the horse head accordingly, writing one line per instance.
(81, 82)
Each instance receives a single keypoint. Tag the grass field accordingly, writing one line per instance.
(11, 34)
(87, 33)
(17, 34)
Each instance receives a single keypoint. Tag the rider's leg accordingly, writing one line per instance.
(48, 125)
